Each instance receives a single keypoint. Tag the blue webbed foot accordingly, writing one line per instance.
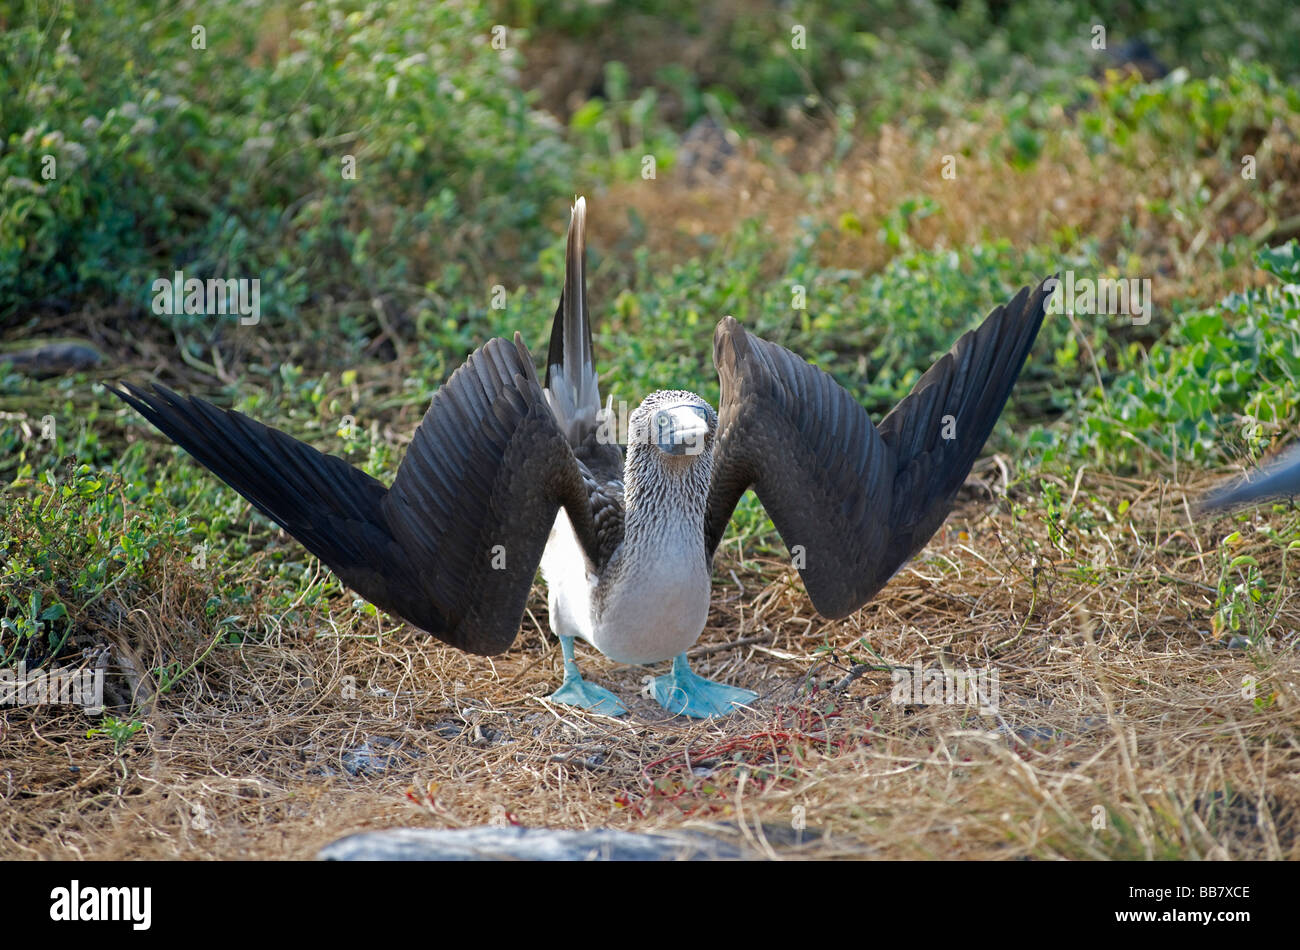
(686, 693)
(576, 691)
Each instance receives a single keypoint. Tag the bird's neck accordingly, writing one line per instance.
(665, 497)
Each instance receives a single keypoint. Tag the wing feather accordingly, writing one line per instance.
(858, 500)
(453, 546)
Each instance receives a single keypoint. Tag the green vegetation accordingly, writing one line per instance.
(231, 158)
(874, 60)
(1223, 381)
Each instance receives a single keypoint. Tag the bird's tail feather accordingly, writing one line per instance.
(572, 389)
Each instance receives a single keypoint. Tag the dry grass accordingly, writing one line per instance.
(1116, 700)
(1137, 215)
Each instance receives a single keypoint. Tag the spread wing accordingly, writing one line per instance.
(854, 501)
(1279, 478)
(453, 546)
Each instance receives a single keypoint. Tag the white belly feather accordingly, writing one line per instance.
(569, 582)
(656, 609)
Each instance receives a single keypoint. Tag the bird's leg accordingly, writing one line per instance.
(686, 693)
(575, 691)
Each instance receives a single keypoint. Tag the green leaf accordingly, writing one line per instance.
(1283, 262)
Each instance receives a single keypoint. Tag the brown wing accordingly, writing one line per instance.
(854, 501)
(454, 545)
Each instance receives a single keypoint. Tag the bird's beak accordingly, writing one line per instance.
(681, 430)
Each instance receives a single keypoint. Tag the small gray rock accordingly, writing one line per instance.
(377, 754)
(706, 149)
(491, 843)
(52, 358)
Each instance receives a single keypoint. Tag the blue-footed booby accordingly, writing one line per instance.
(506, 472)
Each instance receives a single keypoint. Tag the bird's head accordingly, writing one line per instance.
(677, 426)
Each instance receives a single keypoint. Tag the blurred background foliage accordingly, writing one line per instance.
(737, 156)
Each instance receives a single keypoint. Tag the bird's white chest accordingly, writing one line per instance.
(656, 600)
(651, 604)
